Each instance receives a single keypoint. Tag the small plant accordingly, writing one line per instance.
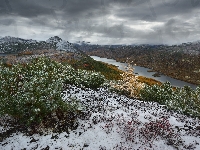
(160, 129)
(150, 132)
(134, 131)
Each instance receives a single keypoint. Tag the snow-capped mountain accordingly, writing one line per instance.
(9, 39)
(54, 39)
(61, 44)
(66, 46)
(14, 45)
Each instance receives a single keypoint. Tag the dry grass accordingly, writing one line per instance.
(26, 56)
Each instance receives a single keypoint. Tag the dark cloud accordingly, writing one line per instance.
(157, 10)
(7, 22)
(111, 21)
(76, 7)
(29, 9)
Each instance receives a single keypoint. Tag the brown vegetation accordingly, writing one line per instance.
(26, 56)
(149, 81)
(25, 53)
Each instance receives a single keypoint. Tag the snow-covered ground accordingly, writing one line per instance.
(115, 122)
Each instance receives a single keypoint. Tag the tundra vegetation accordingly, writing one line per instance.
(32, 92)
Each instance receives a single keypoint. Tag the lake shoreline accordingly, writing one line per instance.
(155, 78)
(175, 75)
(158, 71)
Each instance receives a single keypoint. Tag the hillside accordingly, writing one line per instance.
(63, 99)
(111, 121)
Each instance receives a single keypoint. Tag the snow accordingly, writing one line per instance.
(110, 118)
(66, 46)
(61, 44)
(54, 41)
(10, 39)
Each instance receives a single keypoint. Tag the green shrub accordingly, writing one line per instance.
(89, 79)
(184, 100)
(189, 100)
(33, 91)
(157, 93)
(30, 93)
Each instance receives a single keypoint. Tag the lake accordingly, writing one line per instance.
(142, 71)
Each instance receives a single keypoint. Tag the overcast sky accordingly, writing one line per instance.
(103, 21)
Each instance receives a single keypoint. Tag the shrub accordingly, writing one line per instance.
(157, 93)
(129, 83)
(184, 100)
(84, 78)
(31, 92)
(189, 100)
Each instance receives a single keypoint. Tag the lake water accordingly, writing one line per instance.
(142, 71)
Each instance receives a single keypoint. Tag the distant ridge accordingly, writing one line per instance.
(10, 44)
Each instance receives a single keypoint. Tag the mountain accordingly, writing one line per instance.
(54, 39)
(66, 46)
(61, 44)
(9, 39)
(15, 45)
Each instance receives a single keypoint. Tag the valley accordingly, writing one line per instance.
(172, 61)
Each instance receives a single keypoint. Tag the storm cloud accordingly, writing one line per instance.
(103, 21)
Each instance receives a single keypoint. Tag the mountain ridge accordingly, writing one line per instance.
(10, 44)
